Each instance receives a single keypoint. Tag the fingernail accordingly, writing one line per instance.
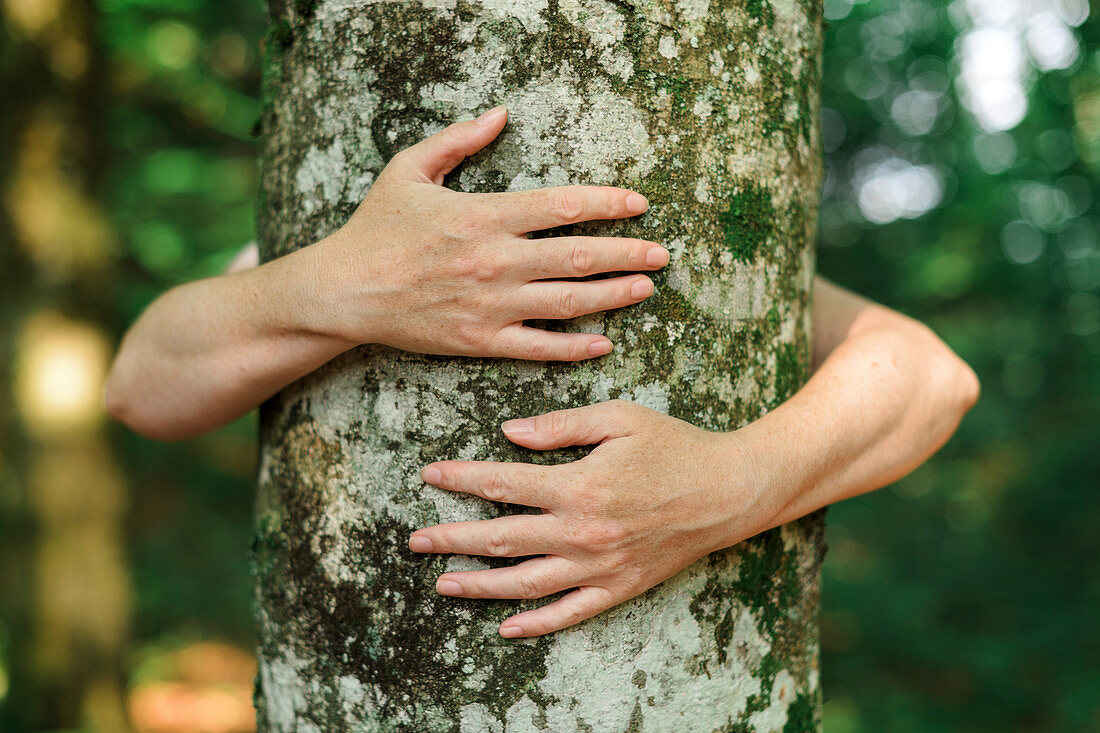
(510, 632)
(491, 116)
(656, 257)
(641, 289)
(431, 475)
(599, 348)
(636, 203)
(449, 588)
(420, 543)
(524, 426)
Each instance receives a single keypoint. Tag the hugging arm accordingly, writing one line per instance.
(418, 267)
(657, 493)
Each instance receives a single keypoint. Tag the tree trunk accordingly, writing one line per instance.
(709, 108)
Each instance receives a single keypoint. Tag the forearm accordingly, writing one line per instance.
(207, 352)
(886, 398)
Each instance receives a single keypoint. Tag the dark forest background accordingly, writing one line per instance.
(963, 143)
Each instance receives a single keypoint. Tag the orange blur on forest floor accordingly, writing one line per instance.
(204, 687)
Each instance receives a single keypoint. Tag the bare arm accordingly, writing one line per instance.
(886, 394)
(657, 493)
(418, 267)
(205, 353)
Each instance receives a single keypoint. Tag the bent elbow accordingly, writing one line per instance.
(968, 386)
(955, 386)
(960, 387)
(120, 404)
(115, 399)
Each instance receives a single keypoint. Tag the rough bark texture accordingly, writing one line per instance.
(707, 107)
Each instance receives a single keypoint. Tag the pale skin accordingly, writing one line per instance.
(426, 269)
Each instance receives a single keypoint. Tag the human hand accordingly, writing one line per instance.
(423, 268)
(654, 496)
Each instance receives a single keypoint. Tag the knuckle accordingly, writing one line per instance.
(620, 408)
(568, 305)
(451, 133)
(473, 335)
(586, 498)
(581, 259)
(467, 227)
(537, 350)
(630, 577)
(616, 564)
(528, 587)
(572, 616)
(478, 266)
(493, 488)
(608, 534)
(537, 627)
(567, 204)
(557, 423)
(601, 536)
(402, 158)
(441, 542)
(496, 544)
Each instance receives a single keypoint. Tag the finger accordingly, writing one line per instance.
(511, 536)
(573, 608)
(579, 426)
(434, 157)
(523, 342)
(514, 483)
(583, 256)
(564, 300)
(531, 579)
(545, 208)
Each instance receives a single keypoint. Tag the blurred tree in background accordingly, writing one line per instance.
(127, 165)
(963, 143)
(963, 147)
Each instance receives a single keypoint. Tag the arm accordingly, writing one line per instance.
(418, 267)
(657, 493)
(885, 395)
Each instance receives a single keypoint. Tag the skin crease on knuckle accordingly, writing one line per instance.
(531, 587)
(567, 303)
(494, 487)
(537, 350)
(554, 426)
(497, 543)
(581, 260)
(568, 205)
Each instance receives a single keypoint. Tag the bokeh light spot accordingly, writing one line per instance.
(61, 371)
(172, 44)
(1021, 242)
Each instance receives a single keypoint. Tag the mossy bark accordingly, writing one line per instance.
(709, 107)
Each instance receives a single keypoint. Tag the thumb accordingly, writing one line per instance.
(436, 156)
(580, 426)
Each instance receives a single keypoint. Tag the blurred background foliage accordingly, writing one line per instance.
(962, 141)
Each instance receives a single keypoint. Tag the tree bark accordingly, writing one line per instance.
(709, 108)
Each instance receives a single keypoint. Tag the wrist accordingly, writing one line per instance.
(294, 293)
(763, 478)
(788, 463)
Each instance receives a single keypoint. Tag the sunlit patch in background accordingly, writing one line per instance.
(60, 228)
(202, 687)
(60, 374)
(891, 188)
(994, 54)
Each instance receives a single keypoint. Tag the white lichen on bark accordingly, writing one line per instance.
(709, 108)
